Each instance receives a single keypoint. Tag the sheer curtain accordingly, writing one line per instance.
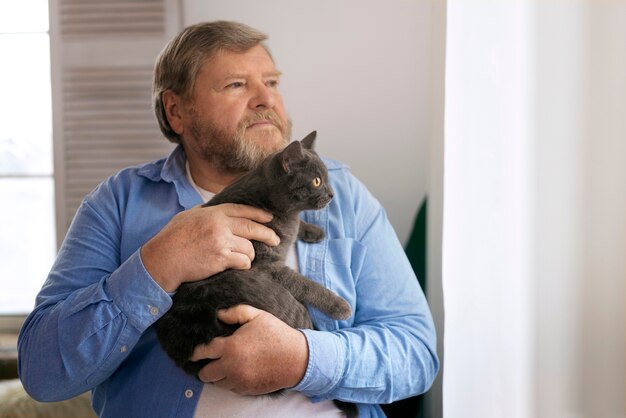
(534, 220)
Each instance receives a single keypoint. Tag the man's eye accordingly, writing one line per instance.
(271, 83)
(235, 85)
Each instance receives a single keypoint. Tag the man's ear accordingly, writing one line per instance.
(173, 107)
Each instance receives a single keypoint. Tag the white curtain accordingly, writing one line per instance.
(534, 219)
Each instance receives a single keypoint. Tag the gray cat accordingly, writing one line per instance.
(286, 183)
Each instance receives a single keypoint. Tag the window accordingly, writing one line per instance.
(27, 225)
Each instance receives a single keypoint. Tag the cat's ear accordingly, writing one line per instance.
(308, 140)
(290, 156)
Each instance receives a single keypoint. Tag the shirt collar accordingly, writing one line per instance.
(172, 170)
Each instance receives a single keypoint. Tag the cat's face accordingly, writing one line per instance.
(303, 176)
(308, 185)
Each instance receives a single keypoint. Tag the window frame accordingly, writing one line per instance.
(11, 322)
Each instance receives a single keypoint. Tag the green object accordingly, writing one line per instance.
(416, 245)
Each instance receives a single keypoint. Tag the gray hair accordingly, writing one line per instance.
(179, 63)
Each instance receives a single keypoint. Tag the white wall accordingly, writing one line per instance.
(435, 195)
(534, 240)
(357, 71)
(580, 208)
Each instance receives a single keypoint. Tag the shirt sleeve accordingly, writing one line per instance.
(91, 310)
(387, 350)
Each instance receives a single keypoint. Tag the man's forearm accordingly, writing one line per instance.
(71, 342)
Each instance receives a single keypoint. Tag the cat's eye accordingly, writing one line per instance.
(317, 182)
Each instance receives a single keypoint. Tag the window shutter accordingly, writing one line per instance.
(102, 56)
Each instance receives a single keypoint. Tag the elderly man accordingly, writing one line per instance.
(141, 233)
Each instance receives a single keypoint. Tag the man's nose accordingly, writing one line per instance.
(262, 97)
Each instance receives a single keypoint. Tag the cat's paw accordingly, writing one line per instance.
(312, 237)
(340, 309)
(310, 233)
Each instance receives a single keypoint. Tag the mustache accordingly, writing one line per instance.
(264, 115)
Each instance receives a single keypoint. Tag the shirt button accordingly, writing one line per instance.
(123, 349)
(154, 310)
(188, 393)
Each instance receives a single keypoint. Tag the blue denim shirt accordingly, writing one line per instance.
(92, 327)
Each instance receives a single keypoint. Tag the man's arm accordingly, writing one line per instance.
(388, 350)
(93, 308)
(90, 312)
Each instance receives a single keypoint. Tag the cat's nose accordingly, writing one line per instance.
(331, 195)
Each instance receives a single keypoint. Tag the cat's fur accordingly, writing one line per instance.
(285, 184)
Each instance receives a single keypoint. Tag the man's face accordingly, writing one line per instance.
(236, 116)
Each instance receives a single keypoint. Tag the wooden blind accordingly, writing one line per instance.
(108, 125)
(112, 17)
(103, 53)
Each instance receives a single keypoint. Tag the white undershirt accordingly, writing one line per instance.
(217, 402)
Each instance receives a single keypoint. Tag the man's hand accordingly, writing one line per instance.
(264, 355)
(203, 241)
